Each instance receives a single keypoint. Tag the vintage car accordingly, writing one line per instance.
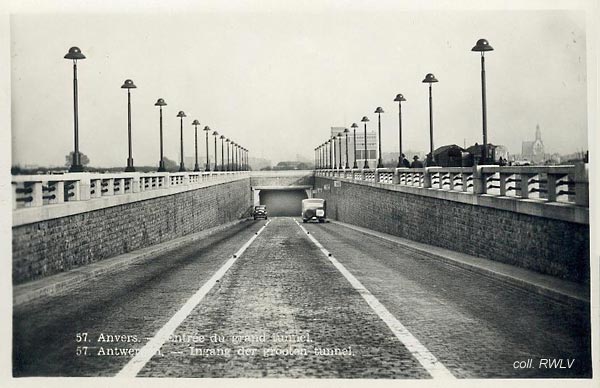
(259, 211)
(313, 209)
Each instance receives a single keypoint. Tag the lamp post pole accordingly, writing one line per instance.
(234, 158)
(128, 84)
(161, 164)
(339, 137)
(222, 153)
(330, 154)
(181, 115)
(354, 126)
(228, 168)
(195, 123)
(430, 78)
(75, 54)
(346, 133)
(482, 46)
(365, 119)
(207, 129)
(379, 111)
(215, 134)
(399, 98)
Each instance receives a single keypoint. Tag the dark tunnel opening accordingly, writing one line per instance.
(283, 202)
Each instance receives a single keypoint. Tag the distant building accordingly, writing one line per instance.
(449, 156)
(293, 165)
(360, 146)
(533, 151)
(502, 152)
(476, 152)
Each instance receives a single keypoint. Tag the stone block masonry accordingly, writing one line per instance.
(546, 245)
(60, 244)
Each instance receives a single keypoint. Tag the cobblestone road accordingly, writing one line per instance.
(283, 310)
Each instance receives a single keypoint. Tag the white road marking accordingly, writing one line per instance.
(153, 346)
(435, 368)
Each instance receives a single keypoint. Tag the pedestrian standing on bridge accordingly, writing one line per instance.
(416, 162)
(405, 162)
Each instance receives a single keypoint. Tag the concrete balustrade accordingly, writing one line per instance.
(41, 197)
(564, 184)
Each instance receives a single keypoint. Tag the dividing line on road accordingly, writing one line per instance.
(135, 365)
(435, 368)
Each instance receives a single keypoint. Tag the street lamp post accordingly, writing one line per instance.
(354, 126)
(346, 133)
(399, 98)
(339, 137)
(430, 78)
(331, 166)
(181, 115)
(228, 168)
(75, 54)
(195, 123)
(365, 119)
(207, 129)
(215, 134)
(335, 152)
(161, 164)
(482, 46)
(379, 111)
(222, 153)
(234, 161)
(128, 84)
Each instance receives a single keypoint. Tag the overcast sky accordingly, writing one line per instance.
(275, 82)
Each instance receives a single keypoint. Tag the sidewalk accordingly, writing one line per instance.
(549, 286)
(69, 280)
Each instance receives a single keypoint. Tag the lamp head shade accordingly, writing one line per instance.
(160, 102)
(399, 97)
(74, 53)
(181, 114)
(354, 125)
(430, 78)
(364, 119)
(128, 84)
(346, 130)
(379, 110)
(195, 122)
(482, 45)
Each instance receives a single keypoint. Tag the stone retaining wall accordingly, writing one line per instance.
(550, 246)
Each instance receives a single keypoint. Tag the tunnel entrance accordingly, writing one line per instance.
(283, 202)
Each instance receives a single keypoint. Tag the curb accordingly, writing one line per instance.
(567, 292)
(67, 281)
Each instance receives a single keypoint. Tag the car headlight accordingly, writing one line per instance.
(320, 212)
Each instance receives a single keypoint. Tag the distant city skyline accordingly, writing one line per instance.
(277, 82)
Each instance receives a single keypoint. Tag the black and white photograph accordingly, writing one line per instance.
(287, 193)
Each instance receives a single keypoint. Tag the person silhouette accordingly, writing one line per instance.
(416, 162)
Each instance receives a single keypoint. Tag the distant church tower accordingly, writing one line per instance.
(534, 150)
(538, 145)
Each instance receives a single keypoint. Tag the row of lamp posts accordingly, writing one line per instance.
(239, 154)
(324, 161)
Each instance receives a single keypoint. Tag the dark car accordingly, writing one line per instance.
(260, 211)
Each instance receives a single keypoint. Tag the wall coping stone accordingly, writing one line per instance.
(534, 207)
(43, 213)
